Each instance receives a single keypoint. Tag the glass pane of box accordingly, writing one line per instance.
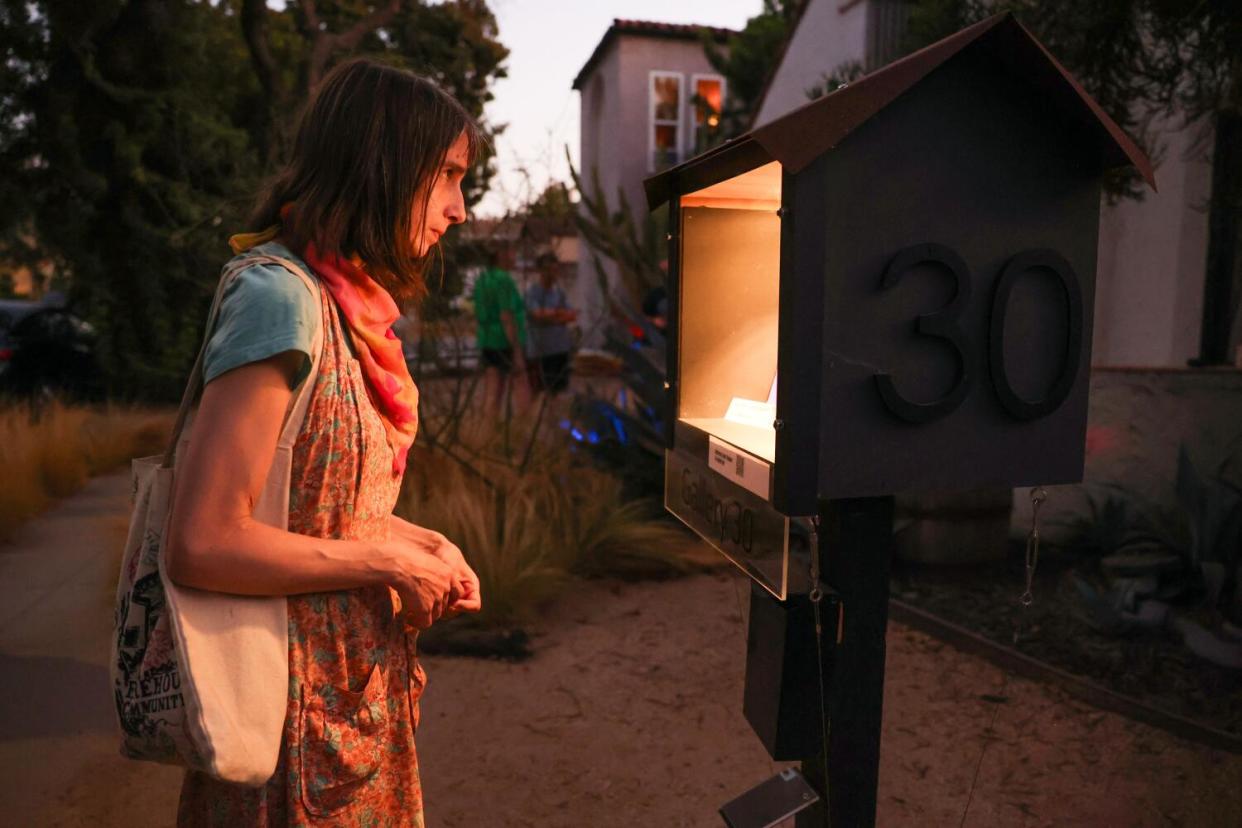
(730, 280)
(743, 527)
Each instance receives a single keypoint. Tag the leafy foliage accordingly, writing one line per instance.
(123, 144)
(1179, 568)
(134, 133)
(637, 247)
(747, 60)
(829, 82)
(555, 202)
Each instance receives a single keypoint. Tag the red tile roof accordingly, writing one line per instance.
(646, 28)
(687, 30)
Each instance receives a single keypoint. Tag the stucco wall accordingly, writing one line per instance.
(1136, 422)
(826, 38)
(1149, 277)
(619, 146)
(640, 56)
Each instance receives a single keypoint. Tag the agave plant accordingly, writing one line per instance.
(527, 512)
(1179, 569)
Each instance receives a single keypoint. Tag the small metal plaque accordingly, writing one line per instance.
(742, 526)
(771, 802)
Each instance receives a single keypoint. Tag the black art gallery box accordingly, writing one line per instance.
(887, 290)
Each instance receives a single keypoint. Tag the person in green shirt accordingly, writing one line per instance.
(501, 316)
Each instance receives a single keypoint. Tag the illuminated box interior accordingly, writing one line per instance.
(730, 285)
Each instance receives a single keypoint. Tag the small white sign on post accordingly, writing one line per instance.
(744, 469)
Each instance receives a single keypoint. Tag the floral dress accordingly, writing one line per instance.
(347, 755)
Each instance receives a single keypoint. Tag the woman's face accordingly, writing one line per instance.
(446, 205)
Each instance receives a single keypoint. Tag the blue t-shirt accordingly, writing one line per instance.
(266, 310)
(546, 340)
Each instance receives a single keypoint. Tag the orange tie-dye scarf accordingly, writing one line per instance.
(369, 312)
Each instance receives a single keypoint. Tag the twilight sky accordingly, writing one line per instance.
(549, 41)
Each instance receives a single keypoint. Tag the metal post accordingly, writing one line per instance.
(855, 548)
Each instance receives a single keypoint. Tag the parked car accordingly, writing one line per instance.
(12, 311)
(47, 351)
(445, 347)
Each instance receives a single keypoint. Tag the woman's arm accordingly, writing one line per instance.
(214, 541)
(543, 316)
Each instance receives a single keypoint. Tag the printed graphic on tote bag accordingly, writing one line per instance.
(148, 683)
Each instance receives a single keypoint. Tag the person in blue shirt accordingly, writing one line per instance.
(549, 315)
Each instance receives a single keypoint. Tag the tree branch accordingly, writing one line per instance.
(324, 44)
(311, 25)
(379, 17)
(254, 29)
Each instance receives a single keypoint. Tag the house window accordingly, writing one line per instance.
(708, 102)
(665, 120)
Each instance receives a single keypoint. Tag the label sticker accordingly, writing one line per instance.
(746, 470)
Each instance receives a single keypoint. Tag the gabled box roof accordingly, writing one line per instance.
(799, 137)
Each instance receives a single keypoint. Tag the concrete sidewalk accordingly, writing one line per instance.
(58, 749)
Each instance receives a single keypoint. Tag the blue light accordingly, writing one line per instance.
(592, 437)
(617, 426)
(564, 424)
(576, 434)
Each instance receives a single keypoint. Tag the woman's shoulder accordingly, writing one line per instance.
(273, 266)
(267, 276)
(266, 308)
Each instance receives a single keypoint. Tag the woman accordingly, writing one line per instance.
(374, 182)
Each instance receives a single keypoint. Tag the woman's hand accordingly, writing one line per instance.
(465, 596)
(425, 585)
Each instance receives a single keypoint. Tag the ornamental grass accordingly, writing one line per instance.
(528, 510)
(49, 451)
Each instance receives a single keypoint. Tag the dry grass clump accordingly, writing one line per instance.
(50, 451)
(529, 515)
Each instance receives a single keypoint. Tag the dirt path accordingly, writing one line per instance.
(628, 715)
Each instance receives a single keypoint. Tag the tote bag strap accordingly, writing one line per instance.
(194, 386)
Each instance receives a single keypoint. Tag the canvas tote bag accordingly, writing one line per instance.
(201, 678)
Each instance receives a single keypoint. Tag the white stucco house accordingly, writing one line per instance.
(638, 94)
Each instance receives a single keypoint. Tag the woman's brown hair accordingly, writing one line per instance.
(371, 140)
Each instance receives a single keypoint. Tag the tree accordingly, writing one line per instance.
(747, 60)
(1148, 62)
(555, 202)
(829, 82)
(454, 43)
(125, 158)
(134, 134)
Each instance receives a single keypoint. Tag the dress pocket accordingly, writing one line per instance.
(342, 744)
(418, 677)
